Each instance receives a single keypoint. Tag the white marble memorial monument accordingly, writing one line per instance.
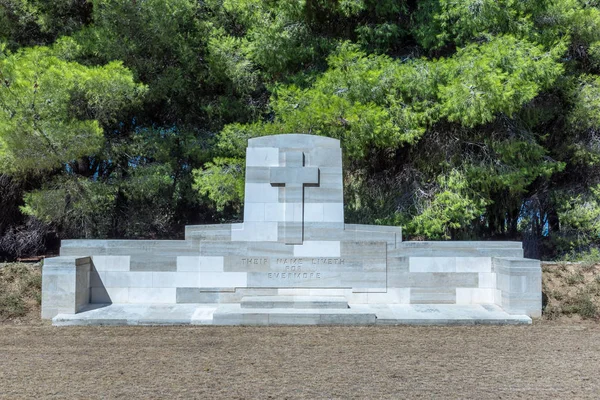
(292, 261)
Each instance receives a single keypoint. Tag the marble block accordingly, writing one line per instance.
(293, 260)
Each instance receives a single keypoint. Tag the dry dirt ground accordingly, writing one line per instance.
(546, 360)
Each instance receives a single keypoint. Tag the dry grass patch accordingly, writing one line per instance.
(571, 290)
(20, 291)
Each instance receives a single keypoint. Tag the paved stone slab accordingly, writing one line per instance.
(445, 314)
(234, 314)
(320, 302)
(142, 314)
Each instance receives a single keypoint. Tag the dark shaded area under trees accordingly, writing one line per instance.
(459, 120)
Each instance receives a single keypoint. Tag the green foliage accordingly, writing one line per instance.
(233, 139)
(363, 100)
(376, 102)
(77, 205)
(594, 55)
(580, 18)
(517, 164)
(277, 39)
(442, 21)
(472, 119)
(500, 76)
(586, 100)
(147, 185)
(222, 180)
(228, 59)
(580, 220)
(38, 22)
(590, 257)
(164, 44)
(453, 206)
(283, 37)
(51, 111)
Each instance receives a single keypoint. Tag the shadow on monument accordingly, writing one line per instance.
(99, 296)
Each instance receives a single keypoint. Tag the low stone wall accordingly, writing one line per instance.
(519, 285)
(443, 280)
(65, 285)
(71, 282)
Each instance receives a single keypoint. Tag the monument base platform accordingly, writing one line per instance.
(228, 314)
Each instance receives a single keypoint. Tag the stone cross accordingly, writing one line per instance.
(293, 190)
(293, 178)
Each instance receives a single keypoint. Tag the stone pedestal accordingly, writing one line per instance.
(519, 285)
(65, 285)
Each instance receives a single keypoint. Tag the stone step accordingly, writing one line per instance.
(295, 302)
(234, 314)
(455, 252)
(443, 314)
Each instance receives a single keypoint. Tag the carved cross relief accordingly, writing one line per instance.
(293, 178)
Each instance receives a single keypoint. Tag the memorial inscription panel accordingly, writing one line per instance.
(352, 269)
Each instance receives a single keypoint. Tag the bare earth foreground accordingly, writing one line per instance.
(544, 360)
